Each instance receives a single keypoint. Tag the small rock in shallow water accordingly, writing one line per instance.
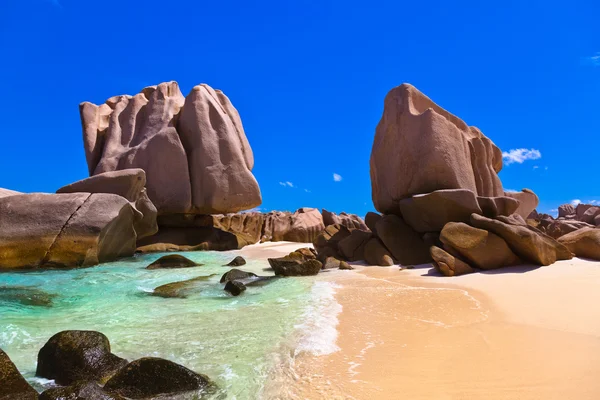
(237, 262)
(12, 384)
(150, 376)
(236, 274)
(235, 287)
(71, 356)
(180, 289)
(79, 391)
(27, 296)
(173, 261)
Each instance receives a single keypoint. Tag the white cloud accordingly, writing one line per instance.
(594, 202)
(592, 60)
(255, 209)
(520, 155)
(535, 167)
(307, 191)
(511, 191)
(337, 177)
(287, 184)
(575, 202)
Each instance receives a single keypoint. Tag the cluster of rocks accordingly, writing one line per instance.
(82, 363)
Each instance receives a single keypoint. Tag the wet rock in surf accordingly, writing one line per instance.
(237, 262)
(26, 295)
(79, 391)
(235, 287)
(235, 275)
(12, 384)
(71, 356)
(173, 261)
(181, 289)
(149, 377)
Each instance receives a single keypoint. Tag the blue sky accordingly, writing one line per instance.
(308, 78)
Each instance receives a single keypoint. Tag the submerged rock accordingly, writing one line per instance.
(235, 287)
(12, 385)
(173, 261)
(149, 377)
(79, 391)
(26, 295)
(181, 289)
(237, 262)
(71, 356)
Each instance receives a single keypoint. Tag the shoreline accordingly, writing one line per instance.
(524, 332)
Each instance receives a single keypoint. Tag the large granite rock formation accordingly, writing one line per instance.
(64, 230)
(194, 150)
(420, 148)
(12, 385)
(583, 243)
(352, 221)
(528, 201)
(127, 183)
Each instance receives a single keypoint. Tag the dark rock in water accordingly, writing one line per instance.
(12, 385)
(293, 266)
(71, 356)
(236, 274)
(79, 391)
(331, 263)
(345, 265)
(180, 289)
(172, 261)
(150, 376)
(26, 295)
(235, 287)
(237, 262)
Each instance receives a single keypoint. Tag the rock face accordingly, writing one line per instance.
(8, 192)
(351, 221)
(406, 246)
(303, 226)
(353, 247)
(431, 211)
(199, 137)
(79, 391)
(149, 377)
(528, 201)
(566, 210)
(173, 261)
(420, 148)
(64, 230)
(128, 183)
(71, 356)
(326, 243)
(12, 385)
(583, 243)
(295, 264)
(447, 264)
(492, 207)
(377, 254)
(478, 247)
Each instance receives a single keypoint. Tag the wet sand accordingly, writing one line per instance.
(518, 333)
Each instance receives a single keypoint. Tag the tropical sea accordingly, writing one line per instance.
(239, 342)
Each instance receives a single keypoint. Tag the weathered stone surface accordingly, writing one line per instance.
(235, 275)
(565, 209)
(182, 289)
(303, 226)
(238, 261)
(149, 377)
(590, 215)
(295, 266)
(345, 266)
(326, 243)
(26, 295)
(173, 261)
(79, 391)
(12, 385)
(431, 211)
(526, 242)
(558, 228)
(371, 220)
(235, 288)
(447, 264)
(353, 246)
(584, 242)
(64, 230)
(191, 239)
(480, 248)
(528, 201)
(377, 254)
(406, 245)
(492, 207)
(331, 263)
(420, 148)
(351, 221)
(71, 356)
(200, 138)
(581, 209)
(127, 183)
(8, 192)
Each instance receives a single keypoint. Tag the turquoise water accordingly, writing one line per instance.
(237, 341)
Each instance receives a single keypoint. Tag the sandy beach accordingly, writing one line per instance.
(515, 333)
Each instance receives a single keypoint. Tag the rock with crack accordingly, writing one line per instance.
(528, 201)
(200, 137)
(12, 385)
(127, 183)
(351, 221)
(353, 247)
(64, 230)
(406, 246)
(447, 264)
(377, 254)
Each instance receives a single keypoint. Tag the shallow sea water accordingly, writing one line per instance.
(237, 341)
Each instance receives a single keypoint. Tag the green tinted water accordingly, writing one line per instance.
(237, 341)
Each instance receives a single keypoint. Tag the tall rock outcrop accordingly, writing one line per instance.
(193, 149)
(419, 148)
